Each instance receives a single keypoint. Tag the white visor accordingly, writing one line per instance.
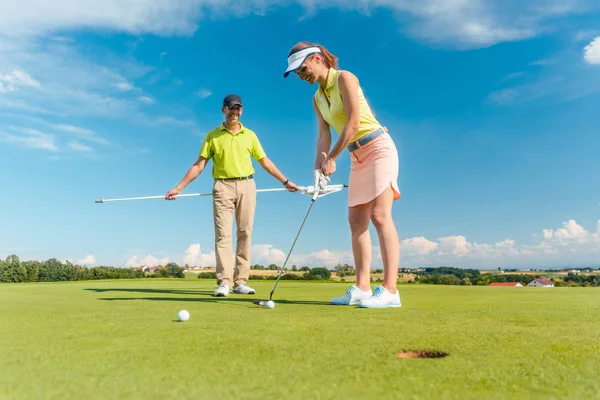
(297, 59)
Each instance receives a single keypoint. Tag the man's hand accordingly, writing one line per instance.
(172, 194)
(291, 186)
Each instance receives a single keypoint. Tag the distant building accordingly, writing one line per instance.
(509, 284)
(541, 282)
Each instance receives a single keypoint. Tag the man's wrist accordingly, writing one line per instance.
(285, 182)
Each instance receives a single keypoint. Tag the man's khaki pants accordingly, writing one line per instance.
(233, 197)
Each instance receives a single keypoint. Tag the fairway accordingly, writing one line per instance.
(120, 340)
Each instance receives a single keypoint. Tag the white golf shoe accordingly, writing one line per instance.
(381, 299)
(222, 290)
(243, 289)
(353, 295)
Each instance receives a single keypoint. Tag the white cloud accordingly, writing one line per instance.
(542, 62)
(585, 34)
(173, 121)
(591, 52)
(504, 96)
(327, 258)
(88, 260)
(81, 133)
(15, 80)
(68, 85)
(69, 88)
(203, 93)
(459, 22)
(559, 80)
(417, 246)
(146, 99)
(194, 257)
(266, 253)
(74, 129)
(455, 245)
(31, 138)
(567, 244)
(76, 146)
(570, 230)
(124, 86)
(570, 244)
(150, 260)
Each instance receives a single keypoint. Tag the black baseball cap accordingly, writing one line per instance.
(231, 100)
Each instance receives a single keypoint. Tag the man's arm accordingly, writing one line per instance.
(324, 138)
(270, 167)
(192, 173)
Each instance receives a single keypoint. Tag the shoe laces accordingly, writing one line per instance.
(350, 290)
(378, 292)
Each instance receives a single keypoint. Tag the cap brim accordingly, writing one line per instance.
(296, 60)
(293, 66)
(234, 103)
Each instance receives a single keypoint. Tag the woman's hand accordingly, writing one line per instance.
(328, 167)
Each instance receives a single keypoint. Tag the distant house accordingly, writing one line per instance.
(509, 284)
(541, 282)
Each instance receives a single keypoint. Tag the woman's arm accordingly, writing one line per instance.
(324, 138)
(349, 91)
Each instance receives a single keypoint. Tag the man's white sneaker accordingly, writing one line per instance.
(243, 289)
(381, 299)
(222, 291)
(353, 295)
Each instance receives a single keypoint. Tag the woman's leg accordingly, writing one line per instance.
(381, 215)
(359, 218)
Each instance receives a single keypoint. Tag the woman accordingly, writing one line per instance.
(339, 103)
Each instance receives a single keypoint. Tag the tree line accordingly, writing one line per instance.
(12, 269)
(458, 276)
(310, 274)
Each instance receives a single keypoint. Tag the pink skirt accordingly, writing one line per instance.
(373, 169)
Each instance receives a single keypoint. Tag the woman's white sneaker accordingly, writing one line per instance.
(381, 299)
(353, 295)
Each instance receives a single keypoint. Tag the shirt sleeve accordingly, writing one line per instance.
(257, 151)
(206, 151)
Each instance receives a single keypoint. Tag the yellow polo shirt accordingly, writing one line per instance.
(329, 103)
(231, 153)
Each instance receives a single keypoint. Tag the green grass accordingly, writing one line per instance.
(120, 340)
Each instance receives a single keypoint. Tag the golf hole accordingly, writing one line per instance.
(421, 354)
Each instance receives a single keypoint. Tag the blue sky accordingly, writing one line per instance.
(492, 105)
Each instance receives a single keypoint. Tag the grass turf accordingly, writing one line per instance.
(120, 339)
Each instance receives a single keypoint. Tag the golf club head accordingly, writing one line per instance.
(259, 302)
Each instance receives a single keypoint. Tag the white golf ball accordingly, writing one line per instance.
(183, 315)
(270, 304)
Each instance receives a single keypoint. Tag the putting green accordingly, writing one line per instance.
(120, 340)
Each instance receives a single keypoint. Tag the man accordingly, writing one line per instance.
(230, 146)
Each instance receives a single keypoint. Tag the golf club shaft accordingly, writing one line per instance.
(312, 201)
(179, 195)
(329, 190)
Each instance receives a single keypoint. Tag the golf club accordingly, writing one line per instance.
(302, 189)
(315, 195)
